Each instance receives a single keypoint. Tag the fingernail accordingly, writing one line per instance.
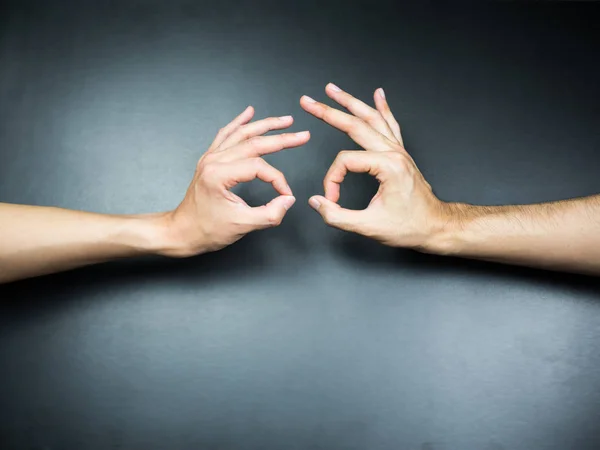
(314, 203)
(289, 201)
(309, 100)
(285, 117)
(334, 88)
(302, 134)
(381, 93)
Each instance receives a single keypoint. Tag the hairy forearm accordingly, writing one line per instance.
(562, 235)
(41, 240)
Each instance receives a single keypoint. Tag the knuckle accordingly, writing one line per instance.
(329, 217)
(400, 163)
(328, 114)
(242, 134)
(355, 124)
(344, 155)
(372, 116)
(396, 156)
(274, 218)
(208, 173)
(255, 141)
(257, 163)
(207, 158)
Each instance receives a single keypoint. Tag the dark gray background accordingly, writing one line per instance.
(301, 337)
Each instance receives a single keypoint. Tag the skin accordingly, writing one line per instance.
(405, 212)
(563, 235)
(41, 240)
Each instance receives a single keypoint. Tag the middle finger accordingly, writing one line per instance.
(358, 130)
(263, 145)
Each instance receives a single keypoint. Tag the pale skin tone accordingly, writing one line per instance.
(40, 240)
(404, 213)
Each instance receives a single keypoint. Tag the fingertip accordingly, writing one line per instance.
(381, 93)
(380, 102)
(288, 201)
(273, 213)
(302, 103)
(315, 202)
(305, 100)
(286, 119)
(332, 88)
(304, 135)
(248, 113)
(284, 189)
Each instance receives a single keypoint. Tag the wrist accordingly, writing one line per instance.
(447, 236)
(156, 235)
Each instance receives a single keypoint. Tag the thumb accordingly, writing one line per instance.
(272, 214)
(334, 215)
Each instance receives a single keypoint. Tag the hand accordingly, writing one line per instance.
(210, 216)
(404, 212)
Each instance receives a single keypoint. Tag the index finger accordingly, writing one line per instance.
(350, 161)
(247, 170)
(358, 130)
(264, 145)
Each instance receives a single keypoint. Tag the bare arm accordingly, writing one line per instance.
(40, 240)
(405, 212)
(561, 235)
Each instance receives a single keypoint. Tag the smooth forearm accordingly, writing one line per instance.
(41, 240)
(561, 235)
